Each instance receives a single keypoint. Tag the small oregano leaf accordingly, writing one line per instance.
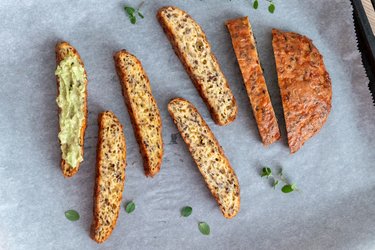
(255, 4)
(72, 215)
(129, 10)
(204, 228)
(186, 211)
(130, 207)
(271, 8)
(288, 188)
(141, 15)
(266, 172)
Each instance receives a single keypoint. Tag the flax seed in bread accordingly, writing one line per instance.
(247, 56)
(191, 46)
(142, 109)
(110, 176)
(72, 102)
(305, 86)
(208, 155)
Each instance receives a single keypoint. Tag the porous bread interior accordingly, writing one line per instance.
(207, 154)
(111, 175)
(144, 109)
(196, 51)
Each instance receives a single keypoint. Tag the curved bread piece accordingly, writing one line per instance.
(208, 155)
(143, 110)
(191, 46)
(110, 176)
(63, 50)
(247, 56)
(305, 86)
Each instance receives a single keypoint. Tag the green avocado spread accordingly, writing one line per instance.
(71, 101)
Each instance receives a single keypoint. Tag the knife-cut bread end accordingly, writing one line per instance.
(194, 51)
(305, 86)
(208, 155)
(110, 176)
(63, 50)
(143, 110)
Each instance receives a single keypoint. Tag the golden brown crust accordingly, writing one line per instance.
(102, 228)
(305, 86)
(62, 50)
(216, 116)
(152, 153)
(247, 56)
(222, 165)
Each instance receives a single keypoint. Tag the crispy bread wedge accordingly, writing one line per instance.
(305, 86)
(64, 50)
(142, 109)
(247, 56)
(110, 176)
(192, 47)
(208, 155)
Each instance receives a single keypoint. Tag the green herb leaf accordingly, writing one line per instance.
(130, 207)
(275, 183)
(271, 8)
(129, 10)
(266, 172)
(204, 228)
(288, 188)
(186, 211)
(133, 19)
(140, 14)
(72, 215)
(255, 4)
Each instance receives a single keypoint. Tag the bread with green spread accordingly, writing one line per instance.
(208, 155)
(143, 110)
(72, 103)
(110, 176)
(192, 47)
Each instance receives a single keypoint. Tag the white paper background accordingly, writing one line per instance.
(335, 170)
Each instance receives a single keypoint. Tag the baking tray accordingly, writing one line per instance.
(366, 42)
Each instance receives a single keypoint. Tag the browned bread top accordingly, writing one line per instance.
(64, 51)
(247, 56)
(110, 176)
(208, 155)
(305, 86)
(142, 108)
(191, 45)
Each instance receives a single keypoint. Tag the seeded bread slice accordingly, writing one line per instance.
(110, 176)
(191, 46)
(63, 50)
(305, 86)
(208, 155)
(142, 109)
(247, 56)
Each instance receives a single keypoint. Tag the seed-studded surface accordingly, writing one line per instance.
(143, 110)
(110, 176)
(191, 45)
(305, 86)
(208, 155)
(247, 56)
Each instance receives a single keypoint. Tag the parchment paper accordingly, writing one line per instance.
(335, 208)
